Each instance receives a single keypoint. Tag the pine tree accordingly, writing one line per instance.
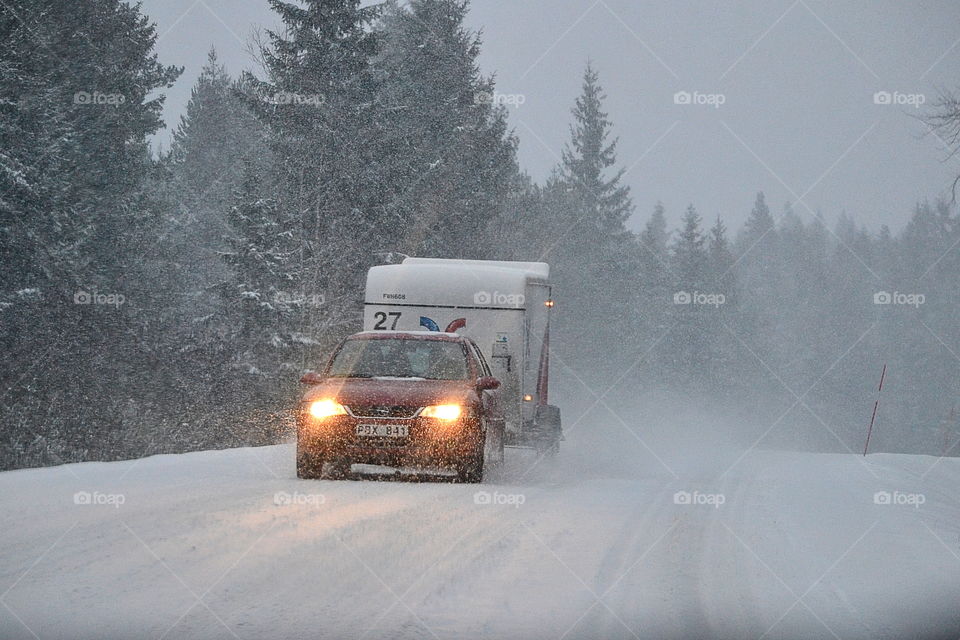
(721, 258)
(450, 162)
(654, 280)
(603, 203)
(654, 236)
(654, 254)
(690, 341)
(689, 254)
(261, 298)
(758, 272)
(216, 138)
(723, 373)
(594, 256)
(74, 117)
(760, 222)
(319, 106)
(522, 232)
(721, 265)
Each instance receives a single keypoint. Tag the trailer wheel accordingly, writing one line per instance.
(495, 451)
(548, 449)
(548, 431)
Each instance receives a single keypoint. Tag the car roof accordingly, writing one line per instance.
(408, 335)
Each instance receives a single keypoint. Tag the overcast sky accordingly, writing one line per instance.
(796, 78)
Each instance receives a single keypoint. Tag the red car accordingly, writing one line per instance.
(401, 399)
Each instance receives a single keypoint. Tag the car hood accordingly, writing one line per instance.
(392, 391)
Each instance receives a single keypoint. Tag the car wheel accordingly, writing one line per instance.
(470, 468)
(337, 470)
(309, 466)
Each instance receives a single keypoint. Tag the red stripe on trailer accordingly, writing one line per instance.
(883, 374)
(459, 323)
(543, 373)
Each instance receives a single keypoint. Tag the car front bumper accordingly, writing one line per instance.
(429, 442)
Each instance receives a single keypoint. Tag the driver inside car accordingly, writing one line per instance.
(444, 366)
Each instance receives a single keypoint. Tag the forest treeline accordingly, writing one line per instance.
(169, 300)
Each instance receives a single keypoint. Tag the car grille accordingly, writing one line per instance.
(382, 411)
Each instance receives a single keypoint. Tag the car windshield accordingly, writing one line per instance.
(400, 358)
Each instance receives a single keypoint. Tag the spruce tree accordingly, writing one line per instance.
(319, 104)
(723, 374)
(653, 282)
(594, 256)
(758, 271)
(262, 296)
(654, 236)
(654, 257)
(721, 264)
(603, 203)
(75, 111)
(721, 258)
(689, 343)
(690, 259)
(216, 138)
(449, 159)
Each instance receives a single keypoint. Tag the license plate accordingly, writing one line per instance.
(383, 430)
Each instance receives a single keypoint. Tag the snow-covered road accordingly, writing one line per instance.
(229, 544)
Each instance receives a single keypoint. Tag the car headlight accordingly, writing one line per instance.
(326, 408)
(442, 411)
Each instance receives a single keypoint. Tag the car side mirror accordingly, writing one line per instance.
(487, 382)
(311, 377)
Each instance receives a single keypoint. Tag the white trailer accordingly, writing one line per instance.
(504, 307)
